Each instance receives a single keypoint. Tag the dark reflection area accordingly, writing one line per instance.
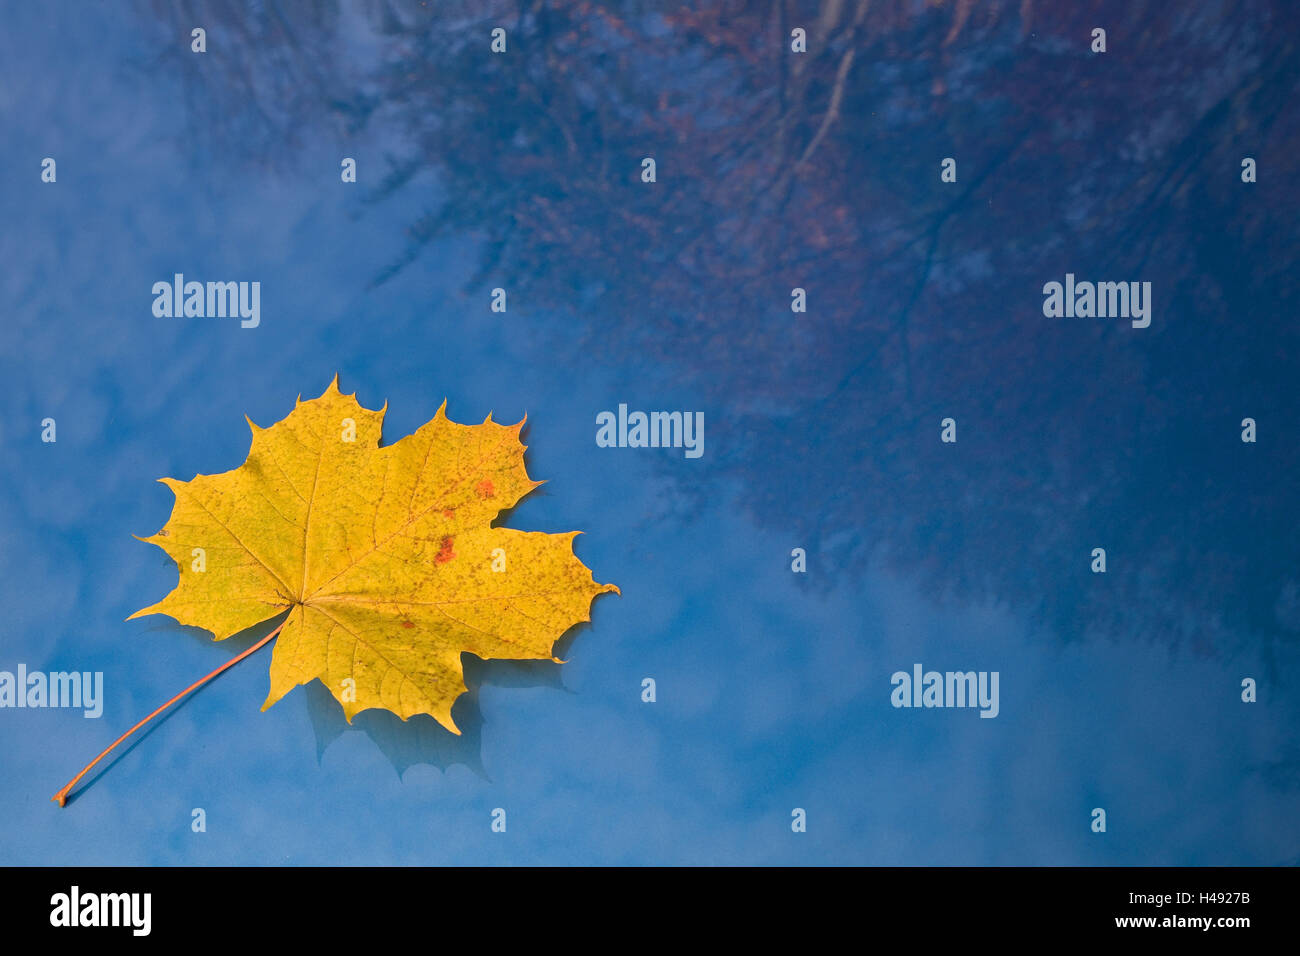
(822, 171)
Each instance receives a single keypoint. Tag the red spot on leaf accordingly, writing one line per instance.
(446, 554)
(407, 624)
(448, 512)
(485, 489)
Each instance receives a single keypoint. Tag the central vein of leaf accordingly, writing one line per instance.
(306, 527)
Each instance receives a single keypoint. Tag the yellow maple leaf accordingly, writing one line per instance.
(385, 557)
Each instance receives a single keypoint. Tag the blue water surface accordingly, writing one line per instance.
(821, 428)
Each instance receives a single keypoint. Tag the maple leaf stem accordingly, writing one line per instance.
(61, 798)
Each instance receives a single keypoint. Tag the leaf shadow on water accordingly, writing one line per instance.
(421, 739)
